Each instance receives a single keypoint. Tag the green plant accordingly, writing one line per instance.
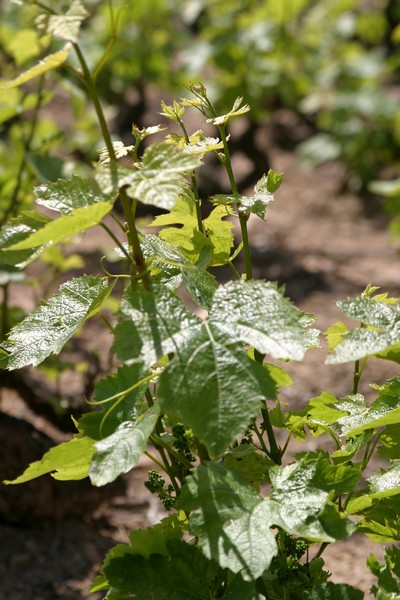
(200, 396)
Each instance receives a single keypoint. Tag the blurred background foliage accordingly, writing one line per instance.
(334, 65)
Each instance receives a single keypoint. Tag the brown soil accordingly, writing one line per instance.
(325, 245)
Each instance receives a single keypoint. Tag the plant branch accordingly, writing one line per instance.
(129, 211)
(242, 217)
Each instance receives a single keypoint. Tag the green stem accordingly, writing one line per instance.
(322, 548)
(4, 312)
(157, 441)
(106, 321)
(246, 246)
(275, 451)
(129, 212)
(115, 240)
(155, 461)
(261, 440)
(242, 217)
(356, 376)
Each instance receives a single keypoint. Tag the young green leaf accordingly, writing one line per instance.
(379, 329)
(274, 180)
(69, 460)
(183, 231)
(388, 574)
(384, 411)
(19, 229)
(50, 326)
(220, 234)
(175, 269)
(120, 451)
(236, 111)
(230, 520)
(380, 521)
(49, 63)
(259, 315)
(66, 195)
(75, 222)
(159, 178)
(67, 26)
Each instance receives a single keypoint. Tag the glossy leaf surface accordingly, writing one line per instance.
(120, 451)
(45, 330)
(230, 520)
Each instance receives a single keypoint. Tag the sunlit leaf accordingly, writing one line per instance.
(49, 63)
(159, 178)
(69, 460)
(66, 195)
(119, 452)
(45, 330)
(155, 324)
(259, 315)
(19, 229)
(54, 231)
(67, 26)
(379, 329)
(197, 385)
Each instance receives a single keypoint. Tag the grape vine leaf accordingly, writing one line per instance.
(66, 195)
(180, 227)
(174, 268)
(197, 385)
(382, 485)
(184, 232)
(159, 179)
(154, 324)
(56, 230)
(69, 460)
(155, 540)
(238, 589)
(390, 442)
(379, 330)
(45, 330)
(67, 26)
(120, 451)
(380, 522)
(230, 520)
(120, 394)
(388, 574)
(220, 234)
(184, 575)
(300, 498)
(49, 63)
(335, 591)
(17, 230)
(259, 315)
(384, 411)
